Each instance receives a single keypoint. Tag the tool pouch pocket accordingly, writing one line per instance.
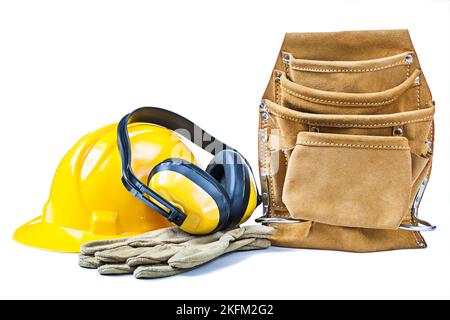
(350, 76)
(403, 97)
(349, 180)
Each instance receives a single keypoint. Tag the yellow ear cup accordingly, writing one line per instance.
(252, 203)
(187, 187)
(229, 169)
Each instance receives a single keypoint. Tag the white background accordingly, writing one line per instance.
(69, 67)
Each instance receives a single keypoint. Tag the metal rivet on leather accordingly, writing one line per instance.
(264, 137)
(263, 176)
(278, 75)
(409, 58)
(314, 129)
(397, 131)
(430, 145)
(262, 105)
(265, 195)
(417, 80)
(286, 58)
(265, 116)
(421, 243)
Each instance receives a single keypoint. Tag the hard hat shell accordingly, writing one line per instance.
(88, 200)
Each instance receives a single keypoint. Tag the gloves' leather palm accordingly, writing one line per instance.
(168, 251)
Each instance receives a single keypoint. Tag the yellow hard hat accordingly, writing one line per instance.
(87, 199)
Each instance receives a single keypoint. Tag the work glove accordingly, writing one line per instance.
(169, 251)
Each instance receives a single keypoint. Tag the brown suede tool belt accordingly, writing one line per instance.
(346, 142)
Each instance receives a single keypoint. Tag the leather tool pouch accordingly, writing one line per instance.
(346, 142)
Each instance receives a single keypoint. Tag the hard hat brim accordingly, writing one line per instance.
(42, 235)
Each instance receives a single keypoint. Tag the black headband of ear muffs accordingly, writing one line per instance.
(172, 121)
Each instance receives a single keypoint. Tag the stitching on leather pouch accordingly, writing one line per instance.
(264, 149)
(431, 136)
(286, 160)
(264, 127)
(272, 202)
(399, 63)
(268, 170)
(272, 192)
(376, 124)
(418, 97)
(298, 95)
(267, 165)
(280, 215)
(349, 125)
(277, 90)
(287, 70)
(361, 146)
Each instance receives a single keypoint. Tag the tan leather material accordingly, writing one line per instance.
(287, 123)
(335, 179)
(314, 235)
(404, 97)
(279, 160)
(350, 76)
(418, 164)
(346, 139)
(347, 46)
(349, 121)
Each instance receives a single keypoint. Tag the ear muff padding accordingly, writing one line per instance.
(229, 169)
(204, 181)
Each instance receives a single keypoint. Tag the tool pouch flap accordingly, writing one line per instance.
(349, 180)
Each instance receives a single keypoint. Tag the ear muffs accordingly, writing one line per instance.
(229, 169)
(204, 201)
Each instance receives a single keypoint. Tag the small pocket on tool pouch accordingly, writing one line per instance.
(280, 154)
(349, 180)
(350, 76)
(401, 98)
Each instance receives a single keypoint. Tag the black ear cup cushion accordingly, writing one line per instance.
(203, 180)
(229, 169)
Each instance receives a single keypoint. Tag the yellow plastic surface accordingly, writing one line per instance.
(252, 203)
(202, 213)
(88, 200)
